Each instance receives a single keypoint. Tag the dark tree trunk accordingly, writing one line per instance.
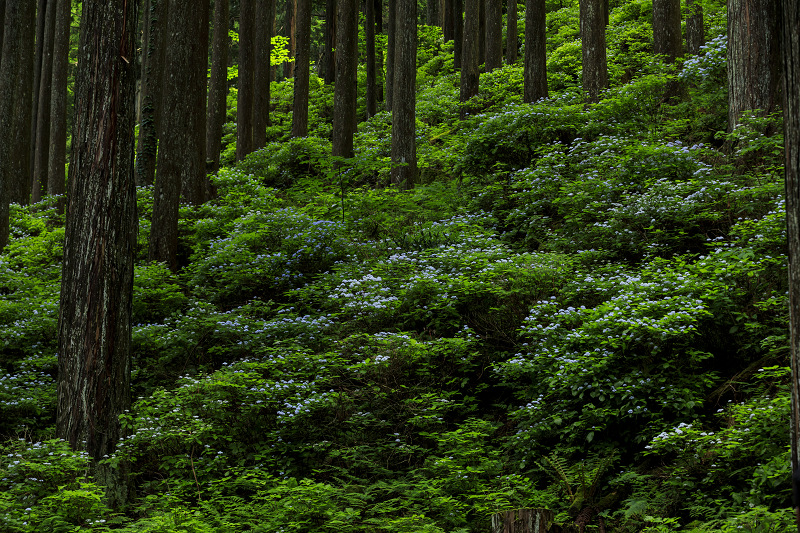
(301, 69)
(512, 35)
(151, 89)
(100, 245)
(246, 94)
(593, 48)
(19, 187)
(261, 72)
(57, 160)
(753, 58)
(218, 84)
(447, 20)
(42, 139)
(458, 32)
(290, 22)
(494, 34)
(535, 51)
(481, 33)
(37, 76)
(369, 33)
(328, 63)
(470, 76)
(695, 34)
(391, 39)
(404, 148)
(181, 153)
(344, 97)
(667, 29)
(432, 13)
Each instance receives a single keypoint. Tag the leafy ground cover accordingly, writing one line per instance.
(580, 307)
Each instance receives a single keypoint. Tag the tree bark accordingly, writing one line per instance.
(753, 58)
(494, 34)
(404, 148)
(447, 20)
(302, 69)
(37, 76)
(57, 156)
(593, 48)
(391, 39)
(218, 84)
(535, 51)
(100, 243)
(458, 32)
(432, 13)
(369, 33)
(470, 76)
(246, 94)
(42, 139)
(344, 96)
(290, 22)
(19, 186)
(261, 72)
(667, 29)
(695, 34)
(328, 57)
(481, 33)
(512, 34)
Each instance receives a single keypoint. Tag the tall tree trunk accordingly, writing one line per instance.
(302, 69)
(667, 29)
(512, 34)
(369, 33)
(481, 33)
(535, 51)
(328, 62)
(57, 156)
(432, 13)
(218, 84)
(344, 96)
(290, 22)
(404, 147)
(19, 186)
(458, 32)
(753, 58)
(37, 76)
(181, 153)
(151, 90)
(246, 93)
(447, 20)
(695, 34)
(391, 39)
(470, 75)
(494, 34)
(593, 48)
(100, 245)
(42, 139)
(261, 72)
(379, 81)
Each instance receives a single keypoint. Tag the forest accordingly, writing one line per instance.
(404, 266)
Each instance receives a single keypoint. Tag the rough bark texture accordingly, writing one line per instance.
(522, 521)
(218, 84)
(667, 29)
(42, 139)
(19, 186)
(448, 29)
(151, 89)
(246, 94)
(593, 48)
(791, 115)
(512, 35)
(328, 57)
(37, 75)
(481, 32)
(470, 76)
(404, 147)
(302, 69)
(390, 49)
(372, 82)
(290, 22)
(344, 96)
(181, 154)
(57, 156)
(494, 34)
(261, 72)
(695, 34)
(535, 51)
(432, 13)
(458, 32)
(100, 244)
(753, 58)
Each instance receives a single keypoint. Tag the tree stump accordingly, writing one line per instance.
(522, 521)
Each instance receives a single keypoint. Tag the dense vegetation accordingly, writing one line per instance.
(581, 307)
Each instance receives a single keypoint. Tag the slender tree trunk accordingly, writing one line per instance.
(369, 33)
(379, 81)
(447, 20)
(458, 32)
(19, 186)
(246, 96)
(151, 91)
(37, 76)
(391, 39)
(512, 34)
(261, 73)
(695, 34)
(481, 33)
(328, 62)
(432, 13)
(57, 156)
(42, 139)
(100, 244)
(344, 97)
(753, 58)
(535, 51)
(494, 34)
(470, 75)
(593, 48)
(302, 69)
(404, 148)
(290, 21)
(667, 29)
(218, 84)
